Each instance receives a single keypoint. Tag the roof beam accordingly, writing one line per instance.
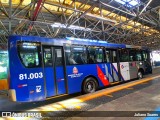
(82, 15)
(145, 7)
(35, 14)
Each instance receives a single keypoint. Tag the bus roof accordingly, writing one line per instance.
(70, 40)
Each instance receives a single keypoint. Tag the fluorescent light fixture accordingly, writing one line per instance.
(133, 3)
(29, 45)
(87, 40)
(129, 2)
(32, 47)
(101, 18)
(120, 1)
(74, 27)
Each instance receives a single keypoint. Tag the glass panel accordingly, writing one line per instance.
(139, 56)
(145, 56)
(114, 56)
(107, 59)
(95, 55)
(132, 55)
(48, 61)
(59, 58)
(99, 55)
(67, 53)
(29, 54)
(92, 55)
(72, 58)
(124, 56)
(78, 55)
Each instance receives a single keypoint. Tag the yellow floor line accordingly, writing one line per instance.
(115, 89)
(114, 83)
(56, 96)
(108, 95)
(130, 88)
(145, 83)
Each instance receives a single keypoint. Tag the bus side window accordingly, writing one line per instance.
(91, 59)
(107, 56)
(47, 57)
(78, 55)
(132, 55)
(81, 58)
(67, 53)
(114, 56)
(99, 55)
(124, 55)
(72, 59)
(59, 58)
(91, 54)
(139, 55)
(145, 55)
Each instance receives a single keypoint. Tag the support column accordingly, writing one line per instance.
(159, 14)
(10, 17)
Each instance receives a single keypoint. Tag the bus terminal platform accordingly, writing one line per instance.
(128, 101)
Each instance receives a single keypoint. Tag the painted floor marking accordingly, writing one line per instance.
(115, 89)
(145, 83)
(130, 88)
(114, 83)
(109, 95)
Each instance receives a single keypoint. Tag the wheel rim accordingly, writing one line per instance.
(90, 86)
(139, 75)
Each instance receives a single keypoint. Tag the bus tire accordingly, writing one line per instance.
(140, 74)
(89, 85)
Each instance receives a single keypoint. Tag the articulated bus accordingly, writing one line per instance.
(40, 68)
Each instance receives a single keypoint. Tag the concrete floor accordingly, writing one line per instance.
(146, 99)
(130, 96)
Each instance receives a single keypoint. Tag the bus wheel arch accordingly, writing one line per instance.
(89, 84)
(140, 73)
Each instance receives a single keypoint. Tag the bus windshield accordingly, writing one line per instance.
(29, 54)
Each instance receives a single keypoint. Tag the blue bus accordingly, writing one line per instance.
(40, 68)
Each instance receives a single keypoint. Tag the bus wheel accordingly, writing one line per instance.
(140, 74)
(89, 85)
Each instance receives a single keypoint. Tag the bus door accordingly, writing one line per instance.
(54, 70)
(115, 65)
(133, 70)
(112, 69)
(124, 64)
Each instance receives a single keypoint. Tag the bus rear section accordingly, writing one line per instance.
(134, 63)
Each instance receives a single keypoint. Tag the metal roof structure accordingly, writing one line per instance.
(107, 20)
